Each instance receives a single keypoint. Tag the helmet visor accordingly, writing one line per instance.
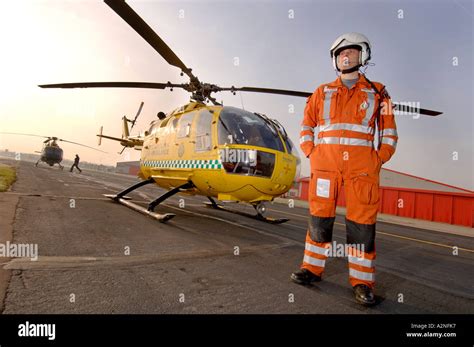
(339, 50)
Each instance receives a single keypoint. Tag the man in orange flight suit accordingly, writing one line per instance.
(346, 112)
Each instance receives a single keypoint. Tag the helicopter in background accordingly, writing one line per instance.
(51, 153)
(219, 152)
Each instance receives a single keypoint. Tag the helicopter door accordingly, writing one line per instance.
(203, 132)
(183, 135)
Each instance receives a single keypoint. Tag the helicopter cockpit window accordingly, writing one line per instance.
(290, 147)
(153, 128)
(241, 127)
(249, 162)
(185, 125)
(204, 131)
(174, 123)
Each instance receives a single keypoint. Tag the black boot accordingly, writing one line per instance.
(304, 277)
(364, 295)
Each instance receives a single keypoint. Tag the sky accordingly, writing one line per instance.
(421, 50)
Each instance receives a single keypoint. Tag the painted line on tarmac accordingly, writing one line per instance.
(395, 235)
(61, 196)
(427, 242)
(288, 213)
(71, 262)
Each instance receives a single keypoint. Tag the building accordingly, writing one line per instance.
(410, 196)
(128, 167)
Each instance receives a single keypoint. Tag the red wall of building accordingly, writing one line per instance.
(133, 170)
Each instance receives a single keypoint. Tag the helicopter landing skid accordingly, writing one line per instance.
(114, 197)
(258, 216)
(125, 201)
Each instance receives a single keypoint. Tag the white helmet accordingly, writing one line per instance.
(351, 40)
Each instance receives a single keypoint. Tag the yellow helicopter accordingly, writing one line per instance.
(217, 151)
(51, 153)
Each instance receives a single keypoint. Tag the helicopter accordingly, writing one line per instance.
(216, 151)
(51, 153)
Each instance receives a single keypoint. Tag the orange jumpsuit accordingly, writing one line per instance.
(337, 135)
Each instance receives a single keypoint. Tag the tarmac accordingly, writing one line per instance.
(97, 256)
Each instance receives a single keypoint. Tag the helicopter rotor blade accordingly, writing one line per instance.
(8, 133)
(146, 85)
(412, 110)
(266, 90)
(397, 106)
(80, 144)
(136, 116)
(146, 32)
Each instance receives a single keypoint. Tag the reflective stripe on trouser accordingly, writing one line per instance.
(361, 267)
(361, 260)
(315, 255)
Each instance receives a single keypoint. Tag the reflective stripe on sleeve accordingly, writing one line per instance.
(390, 131)
(306, 138)
(389, 141)
(305, 127)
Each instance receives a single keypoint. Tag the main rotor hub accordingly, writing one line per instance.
(201, 92)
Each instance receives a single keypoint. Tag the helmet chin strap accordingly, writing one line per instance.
(352, 69)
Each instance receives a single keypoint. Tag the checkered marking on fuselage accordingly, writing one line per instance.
(183, 164)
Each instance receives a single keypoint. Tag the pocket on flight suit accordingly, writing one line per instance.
(323, 193)
(366, 189)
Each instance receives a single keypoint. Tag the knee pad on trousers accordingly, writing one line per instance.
(320, 228)
(361, 234)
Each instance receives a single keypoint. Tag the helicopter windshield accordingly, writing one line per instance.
(290, 147)
(241, 127)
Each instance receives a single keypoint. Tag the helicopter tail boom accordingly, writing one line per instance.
(133, 142)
